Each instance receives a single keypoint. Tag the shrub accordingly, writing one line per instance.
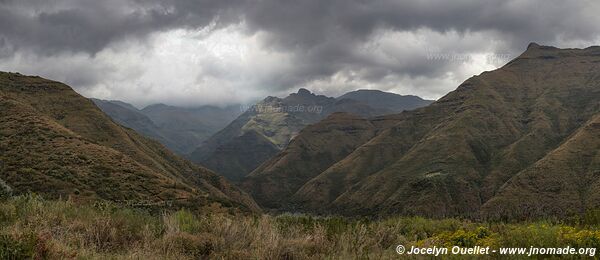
(196, 246)
(465, 238)
(582, 238)
(27, 246)
(535, 234)
(8, 213)
(591, 217)
(119, 230)
(187, 222)
(5, 190)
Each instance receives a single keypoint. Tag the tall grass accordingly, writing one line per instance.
(31, 227)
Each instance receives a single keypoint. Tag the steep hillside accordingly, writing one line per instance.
(55, 142)
(180, 129)
(129, 116)
(272, 122)
(243, 152)
(187, 127)
(500, 136)
(277, 120)
(314, 150)
(566, 181)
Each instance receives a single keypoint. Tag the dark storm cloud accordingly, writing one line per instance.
(329, 32)
(324, 37)
(49, 27)
(312, 22)
(325, 28)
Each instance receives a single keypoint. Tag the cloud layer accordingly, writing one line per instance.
(189, 52)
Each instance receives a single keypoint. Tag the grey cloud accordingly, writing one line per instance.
(88, 25)
(329, 32)
(323, 37)
(51, 27)
(309, 23)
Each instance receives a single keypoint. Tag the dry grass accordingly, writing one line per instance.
(31, 227)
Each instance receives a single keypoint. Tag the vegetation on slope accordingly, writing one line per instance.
(57, 143)
(388, 101)
(180, 129)
(275, 181)
(31, 227)
(517, 142)
(274, 122)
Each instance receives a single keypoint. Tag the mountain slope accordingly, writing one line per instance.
(564, 182)
(383, 100)
(129, 116)
(241, 153)
(277, 120)
(186, 128)
(180, 129)
(276, 180)
(471, 146)
(55, 142)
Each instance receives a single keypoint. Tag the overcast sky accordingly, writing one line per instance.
(186, 52)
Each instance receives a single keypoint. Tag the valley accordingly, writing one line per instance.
(473, 153)
(511, 153)
(299, 130)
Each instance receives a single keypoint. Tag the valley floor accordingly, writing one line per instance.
(31, 227)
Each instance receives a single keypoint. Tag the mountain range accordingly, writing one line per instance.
(267, 127)
(521, 141)
(57, 143)
(181, 129)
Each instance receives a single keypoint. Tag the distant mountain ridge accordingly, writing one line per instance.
(268, 126)
(129, 116)
(181, 129)
(57, 143)
(388, 101)
(519, 142)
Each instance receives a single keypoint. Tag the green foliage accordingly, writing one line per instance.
(332, 225)
(538, 234)
(26, 247)
(420, 228)
(5, 190)
(196, 246)
(591, 217)
(465, 238)
(32, 227)
(8, 213)
(581, 238)
(187, 222)
(13, 249)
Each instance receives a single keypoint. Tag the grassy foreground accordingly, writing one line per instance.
(31, 227)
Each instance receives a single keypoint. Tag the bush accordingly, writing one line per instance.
(119, 230)
(28, 246)
(197, 246)
(591, 217)
(187, 222)
(8, 213)
(582, 238)
(536, 235)
(465, 238)
(5, 190)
